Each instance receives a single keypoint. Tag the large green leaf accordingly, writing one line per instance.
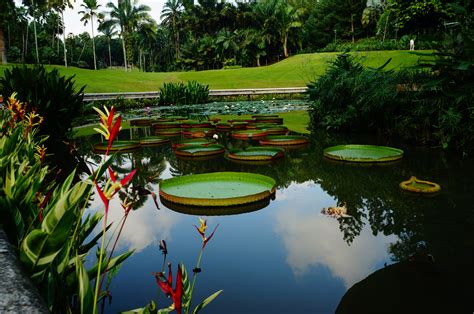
(186, 302)
(208, 300)
(40, 246)
(111, 264)
(86, 298)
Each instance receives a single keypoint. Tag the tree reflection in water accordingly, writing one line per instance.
(441, 226)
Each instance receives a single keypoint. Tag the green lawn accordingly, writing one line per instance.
(296, 121)
(294, 71)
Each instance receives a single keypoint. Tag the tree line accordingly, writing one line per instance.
(205, 34)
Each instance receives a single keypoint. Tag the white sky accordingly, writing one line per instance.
(75, 26)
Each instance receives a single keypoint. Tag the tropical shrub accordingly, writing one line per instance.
(371, 44)
(181, 94)
(46, 219)
(54, 97)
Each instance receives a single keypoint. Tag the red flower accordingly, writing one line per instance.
(106, 128)
(167, 286)
(202, 231)
(112, 187)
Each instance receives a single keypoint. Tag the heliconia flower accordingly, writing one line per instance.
(107, 127)
(41, 152)
(166, 284)
(163, 247)
(125, 180)
(112, 186)
(202, 231)
(126, 205)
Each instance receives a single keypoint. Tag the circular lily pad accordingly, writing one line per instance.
(263, 116)
(231, 126)
(168, 132)
(177, 118)
(264, 119)
(276, 130)
(117, 146)
(249, 134)
(194, 141)
(153, 140)
(284, 140)
(199, 150)
(419, 186)
(195, 124)
(141, 122)
(166, 125)
(197, 132)
(363, 153)
(217, 189)
(256, 153)
(216, 210)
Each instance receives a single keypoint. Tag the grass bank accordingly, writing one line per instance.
(292, 72)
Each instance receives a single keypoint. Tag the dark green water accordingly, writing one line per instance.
(288, 257)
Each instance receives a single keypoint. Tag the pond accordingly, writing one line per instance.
(288, 257)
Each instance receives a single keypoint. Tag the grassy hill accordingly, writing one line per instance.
(291, 72)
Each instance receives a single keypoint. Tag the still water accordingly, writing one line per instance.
(288, 257)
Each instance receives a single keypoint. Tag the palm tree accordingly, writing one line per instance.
(6, 8)
(128, 16)
(170, 17)
(108, 29)
(90, 11)
(288, 19)
(33, 6)
(60, 6)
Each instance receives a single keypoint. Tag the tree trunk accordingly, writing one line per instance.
(124, 53)
(385, 29)
(3, 50)
(258, 60)
(36, 38)
(93, 41)
(352, 27)
(285, 48)
(26, 40)
(64, 39)
(110, 54)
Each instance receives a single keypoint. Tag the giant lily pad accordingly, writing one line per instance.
(216, 210)
(195, 124)
(168, 132)
(167, 125)
(256, 154)
(249, 134)
(269, 119)
(275, 130)
(199, 150)
(420, 186)
(363, 153)
(117, 146)
(153, 140)
(194, 133)
(284, 140)
(231, 126)
(194, 141)
(217, 189)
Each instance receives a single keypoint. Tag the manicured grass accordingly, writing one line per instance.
(294, 71)
(296, 121)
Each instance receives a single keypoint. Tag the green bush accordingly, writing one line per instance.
(54, 97)
(180, 94)
(372, 44)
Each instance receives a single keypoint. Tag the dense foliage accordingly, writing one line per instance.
(433, 105)
(212, 34)
(52, 95)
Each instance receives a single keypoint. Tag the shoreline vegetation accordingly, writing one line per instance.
(297, 70)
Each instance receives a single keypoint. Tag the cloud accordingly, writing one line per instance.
(312, 239)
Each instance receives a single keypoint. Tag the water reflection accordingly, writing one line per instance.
(319, 256)
(312, 239)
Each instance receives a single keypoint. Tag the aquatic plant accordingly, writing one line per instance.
(181, 94)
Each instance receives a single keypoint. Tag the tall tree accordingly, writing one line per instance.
(89, 13)
(108, 29)
(170, 16)
(6, 8)
(128, 15)
(60, 6)
(34, 6)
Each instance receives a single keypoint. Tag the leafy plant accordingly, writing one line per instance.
(52, 96)
(181, 94)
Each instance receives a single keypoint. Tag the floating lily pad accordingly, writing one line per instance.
(263, 116)
(199, 150)
(231, 126)
(284, 140)
(216, 210)
(217, 189)
(276, 130)
(167, 132)
(167, 125)
(269, 119)
(141, 122)
(197, 132)
(195, 124)
(256, 154)
(117, 146)
(194, 141)
(363, 153)
(419, 186)
(177, 118)
(249, 134)
(162, 120)
(260, 126)
(241, 120)
(153, 140)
